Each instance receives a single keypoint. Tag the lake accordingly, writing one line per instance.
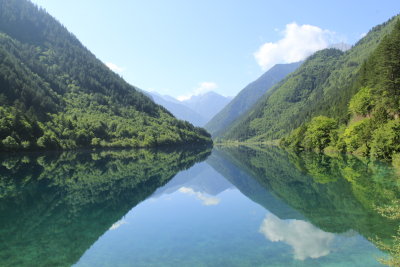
(226, 206)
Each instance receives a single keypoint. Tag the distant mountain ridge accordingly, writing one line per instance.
(248, 96)
(207, 104)
(178, 109)
(198, 109)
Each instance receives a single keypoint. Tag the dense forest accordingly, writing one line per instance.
(374, 126)
(55, 94)
(325, 85)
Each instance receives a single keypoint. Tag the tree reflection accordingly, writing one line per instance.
(335, 193)
(53, 207)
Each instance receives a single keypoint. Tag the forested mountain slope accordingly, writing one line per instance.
(374, 125)
(248, 96)
(323, 85)
(55, 94)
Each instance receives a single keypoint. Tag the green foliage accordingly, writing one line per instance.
(48, 140)
(315, 135)
(386, 140)
(295, 139)
(9, 143)
(318, 134)
(362, 102)
(57, 95)
(378, 98)
(357, 136)
(382, 71)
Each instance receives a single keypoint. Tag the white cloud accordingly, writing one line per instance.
(306, 240)
(206, 200)
(202, 88)
(118, 224)
(298, 42)
(114, 67)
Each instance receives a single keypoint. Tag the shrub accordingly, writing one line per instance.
(318, 134)
(10, 143)
(386, 140)
(362, 102)
(358, 134)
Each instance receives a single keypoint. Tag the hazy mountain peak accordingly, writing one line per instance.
(204, 96)
(207, 104)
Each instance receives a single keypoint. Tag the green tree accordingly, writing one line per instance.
(318, 134)
(362, 103)
(357, 136)
(48, 141)
(386, 140)
(10, 143)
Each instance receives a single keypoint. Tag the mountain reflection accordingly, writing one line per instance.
(201, 178)
(53, 207)
(336, 194)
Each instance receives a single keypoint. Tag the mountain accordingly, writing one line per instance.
(197, 110)
(248, 96)
(55, 94)
(208, 104)
(322, 86)
(373, 127)
(179, 110)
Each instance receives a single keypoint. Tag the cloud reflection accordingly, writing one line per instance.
(306, 240)
(206, 200)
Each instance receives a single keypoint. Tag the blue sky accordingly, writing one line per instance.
(185, 47)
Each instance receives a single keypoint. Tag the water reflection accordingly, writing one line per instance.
(337, 193)
(241, 207)
(201, 178)
(306, 240)
(206, 200)
(53, 207)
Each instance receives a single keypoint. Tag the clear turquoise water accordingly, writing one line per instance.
(239, 207)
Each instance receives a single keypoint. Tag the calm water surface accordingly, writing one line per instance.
(226, 207)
